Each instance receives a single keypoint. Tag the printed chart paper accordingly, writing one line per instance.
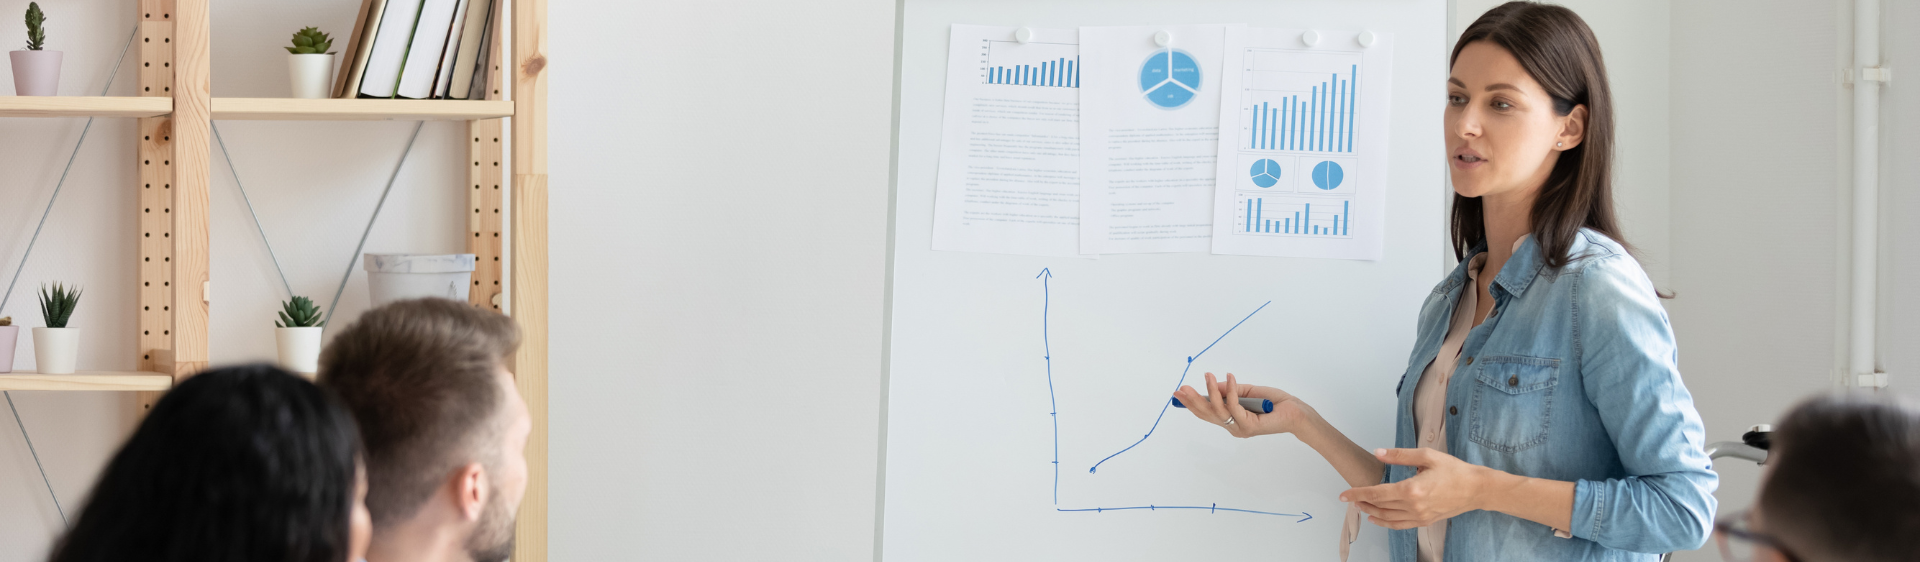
(1303, 150)
(1149, 131)
(1010, 144)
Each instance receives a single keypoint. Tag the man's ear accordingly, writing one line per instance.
(470, 491)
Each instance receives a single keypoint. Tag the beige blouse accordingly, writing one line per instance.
(1430, 407)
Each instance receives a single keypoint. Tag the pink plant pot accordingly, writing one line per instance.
(36, 73)
(9, 338)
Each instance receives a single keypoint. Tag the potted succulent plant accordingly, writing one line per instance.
(310, 63)
(56, 347)
(298, 334)
(36, 71)
(9, 337)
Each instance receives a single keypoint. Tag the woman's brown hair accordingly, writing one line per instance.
(1558, 50)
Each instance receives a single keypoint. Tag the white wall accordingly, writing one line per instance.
(1900, 199)
(720, 174)
(1759, 255)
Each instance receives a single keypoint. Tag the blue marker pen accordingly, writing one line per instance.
(1255, 405)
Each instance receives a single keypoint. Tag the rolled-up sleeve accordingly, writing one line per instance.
(1630, 371)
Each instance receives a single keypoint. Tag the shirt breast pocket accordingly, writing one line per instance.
(1512, 402)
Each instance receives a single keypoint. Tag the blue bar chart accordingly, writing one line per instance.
(1295, 216)
(1058, 73)
(1290, 106)
(1046, 65)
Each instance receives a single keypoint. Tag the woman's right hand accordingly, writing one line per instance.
(1223, 400)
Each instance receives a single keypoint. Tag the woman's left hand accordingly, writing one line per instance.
(1446, 486)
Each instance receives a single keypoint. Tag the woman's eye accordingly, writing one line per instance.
(1456, 100)
(1497, 104)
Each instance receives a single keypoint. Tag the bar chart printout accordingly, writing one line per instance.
(1317, 115)
(1300, 101)
(1052, 65)
(1297, 216)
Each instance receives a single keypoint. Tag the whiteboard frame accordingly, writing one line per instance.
(1443, 263)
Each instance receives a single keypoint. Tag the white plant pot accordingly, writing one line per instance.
(36, 73)
(396, 277)
(55, 350)
(312, 75)
(9, 340)
(299, 349)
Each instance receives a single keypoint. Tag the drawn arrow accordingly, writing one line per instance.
(1309, 516)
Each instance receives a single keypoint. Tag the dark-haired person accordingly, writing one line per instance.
(444, 426)
(243, 464)
(1541, 415)
(1842, 483)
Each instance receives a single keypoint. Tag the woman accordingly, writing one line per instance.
(1541, 416)
(246, 464)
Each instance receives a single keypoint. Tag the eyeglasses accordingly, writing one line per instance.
(1740, 543)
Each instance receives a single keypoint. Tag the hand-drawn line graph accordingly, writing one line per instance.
(1046, 318)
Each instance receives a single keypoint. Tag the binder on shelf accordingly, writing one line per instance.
(389, 49)
(444, 76)
(423, 56)
(355, 63)
(475, 46)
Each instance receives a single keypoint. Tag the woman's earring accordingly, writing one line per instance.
(1559, 144)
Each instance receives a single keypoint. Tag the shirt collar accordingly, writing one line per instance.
(1519, 271)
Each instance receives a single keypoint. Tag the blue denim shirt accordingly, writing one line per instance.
(1574, 378)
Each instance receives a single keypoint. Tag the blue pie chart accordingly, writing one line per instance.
(1170, 78)
(1265, 173)
(1327, 175)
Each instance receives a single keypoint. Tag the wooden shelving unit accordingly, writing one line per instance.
(113, 381)
(288, 109)
(83, 106)
(176, 109)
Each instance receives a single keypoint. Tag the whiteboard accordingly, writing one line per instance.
(998, 364)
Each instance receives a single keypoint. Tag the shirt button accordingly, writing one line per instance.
(1469, 360)
(1454, 410)
(1513, 380)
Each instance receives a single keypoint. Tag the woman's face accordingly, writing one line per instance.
(1502, 134)
(360, 523)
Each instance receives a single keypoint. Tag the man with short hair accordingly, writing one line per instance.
(1842, 483)
(444, 426)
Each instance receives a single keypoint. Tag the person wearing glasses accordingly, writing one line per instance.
(1842, 484)
(1542, 415)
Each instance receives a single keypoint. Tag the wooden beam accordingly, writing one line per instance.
(291, 109)
(83, 106)
(483, 210)
(192, 169)
(102, 381)
(529, 267)
(155, 345)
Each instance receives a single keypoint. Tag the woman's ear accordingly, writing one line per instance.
(1573, 129)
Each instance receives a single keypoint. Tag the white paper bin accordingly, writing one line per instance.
(395, 277)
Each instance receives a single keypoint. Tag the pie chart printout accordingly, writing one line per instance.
(1170, 78)
(1327, 175)
(1265, 173)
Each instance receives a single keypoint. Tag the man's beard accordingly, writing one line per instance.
(492, 538)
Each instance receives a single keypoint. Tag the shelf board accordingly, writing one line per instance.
(84, 106)
(294, 109)
(86, 380)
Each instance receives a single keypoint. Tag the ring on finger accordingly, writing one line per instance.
(1228, 422)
